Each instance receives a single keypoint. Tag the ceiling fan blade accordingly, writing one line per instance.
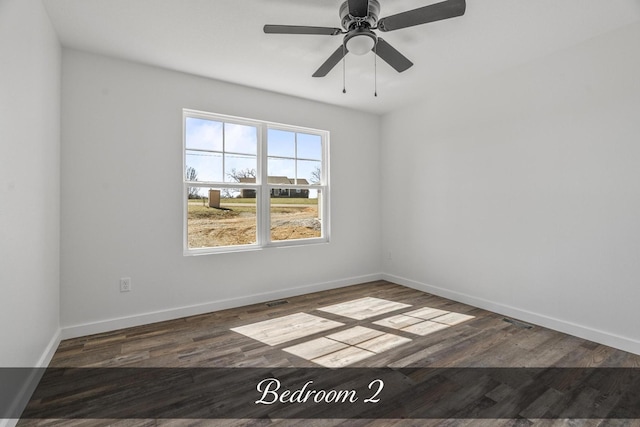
(333, 60)
(358, 8)
(433, 12)
(301, 29)
(391, 56)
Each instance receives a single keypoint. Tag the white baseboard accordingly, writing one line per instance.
(50, 350)
(580, 331)
(8, 422)
(74, 331)
(24, 394)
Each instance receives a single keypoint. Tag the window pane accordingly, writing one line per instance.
(237, 167)
(309, 146)
(281, 143)
(203, 134)
(294, 215)
(220, 217)
(281, 167)
(203, 165)
(310, 171)
(240, 139)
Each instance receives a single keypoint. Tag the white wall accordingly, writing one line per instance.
(524, 191)
(29, 183)
(122, 198)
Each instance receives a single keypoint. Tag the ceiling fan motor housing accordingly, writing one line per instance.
(349, 22)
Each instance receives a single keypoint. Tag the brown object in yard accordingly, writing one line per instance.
(214, 198)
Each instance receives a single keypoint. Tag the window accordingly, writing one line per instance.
(251, 184)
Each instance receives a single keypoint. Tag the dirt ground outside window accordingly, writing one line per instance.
(234, 223)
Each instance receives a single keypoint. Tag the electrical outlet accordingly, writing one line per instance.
(125, 284)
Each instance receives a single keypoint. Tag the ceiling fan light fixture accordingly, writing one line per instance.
(360, 42)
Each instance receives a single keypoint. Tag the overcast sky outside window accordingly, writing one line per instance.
(287, 151)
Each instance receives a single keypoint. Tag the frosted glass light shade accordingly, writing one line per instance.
(360, 44)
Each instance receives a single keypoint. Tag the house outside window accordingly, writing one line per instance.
(251, 184)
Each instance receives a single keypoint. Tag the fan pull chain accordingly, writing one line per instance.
(375, 69)
(344, 73)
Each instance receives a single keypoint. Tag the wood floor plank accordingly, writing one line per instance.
(426, 313)
(399, 321)
(344, 357)
(383, 343)
(316, 348)
(355, 335)
(424, 328)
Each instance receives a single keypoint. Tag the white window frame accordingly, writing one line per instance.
(261, 186)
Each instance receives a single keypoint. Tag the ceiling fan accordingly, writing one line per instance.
(359, 19)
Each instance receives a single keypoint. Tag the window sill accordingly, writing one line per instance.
(254, 248)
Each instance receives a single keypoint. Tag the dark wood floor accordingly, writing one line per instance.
(207, 340)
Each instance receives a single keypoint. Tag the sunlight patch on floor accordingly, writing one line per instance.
(286, 328)
(364, 308)
(423, 321)
(343, 348)
(346, 347)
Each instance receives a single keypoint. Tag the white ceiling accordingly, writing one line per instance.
(223, 39)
